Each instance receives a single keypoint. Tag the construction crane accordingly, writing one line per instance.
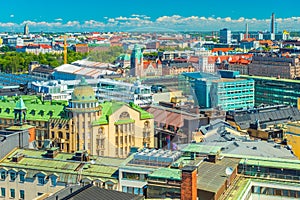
(65, 49)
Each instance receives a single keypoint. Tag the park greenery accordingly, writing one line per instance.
(18, 62)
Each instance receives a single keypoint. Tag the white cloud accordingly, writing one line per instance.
(93, 23)
(227, 19)
(72, 23)
(127, 18)
(6, 25)
(174, 22)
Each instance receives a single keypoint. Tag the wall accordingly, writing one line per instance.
(293, 138)
(13, 140)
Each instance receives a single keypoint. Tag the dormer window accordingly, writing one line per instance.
(13, 176)
(3, 175)
(22, 177)
(41, 180)
(53, 179)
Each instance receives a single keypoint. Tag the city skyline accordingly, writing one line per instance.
(143, 16)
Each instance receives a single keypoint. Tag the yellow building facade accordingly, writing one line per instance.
(121, 127)
(292, 136)
(107, 129)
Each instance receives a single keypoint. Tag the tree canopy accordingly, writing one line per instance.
(18, 62)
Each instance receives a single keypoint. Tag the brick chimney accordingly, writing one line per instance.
(189, 183)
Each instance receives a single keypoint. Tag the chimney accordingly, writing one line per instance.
(189, 183)
(81, 156)
(17, 157)
(51, 153)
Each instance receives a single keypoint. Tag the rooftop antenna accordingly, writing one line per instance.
(228, 171)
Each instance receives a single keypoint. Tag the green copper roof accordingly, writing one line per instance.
(124, 121)
(166, 173)
(144, 114)
(202, 149)
(19, 128)
(83, 92)
(35, 110)
(68, 170)
(109, 108)
(20, 105)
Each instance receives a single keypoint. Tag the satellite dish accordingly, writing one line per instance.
(228, 171)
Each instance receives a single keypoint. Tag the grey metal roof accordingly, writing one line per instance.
(95, 193)
(254, 148)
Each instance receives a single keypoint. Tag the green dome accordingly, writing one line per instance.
(83, 92)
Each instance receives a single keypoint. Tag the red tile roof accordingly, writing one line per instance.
(194, 59)
(221, 49)
(147, 63)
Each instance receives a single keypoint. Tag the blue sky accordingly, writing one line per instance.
(135, 14)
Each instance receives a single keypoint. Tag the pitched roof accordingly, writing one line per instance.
(20, 105)
(95, 193)
(109, 107)
(221, 49)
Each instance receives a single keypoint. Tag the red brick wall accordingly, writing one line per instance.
(189, 185)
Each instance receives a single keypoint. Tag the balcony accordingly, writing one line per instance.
(100, 147)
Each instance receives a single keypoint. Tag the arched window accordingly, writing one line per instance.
(147, 124)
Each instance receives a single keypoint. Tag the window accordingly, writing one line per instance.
(110, 186)
(12, 193)
(22, 194)
(12, 176)
(3, 175)
(2, 192)
(136, 191)
(41, 180)
(22, 177)
(53, 180)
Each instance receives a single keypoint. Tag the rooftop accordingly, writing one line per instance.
(36, 110)
(201, 149)
(109, 107)
(33, 161)
(91, 192)
(271, 79)
(166, 173)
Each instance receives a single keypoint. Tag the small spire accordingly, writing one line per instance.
(20, 105)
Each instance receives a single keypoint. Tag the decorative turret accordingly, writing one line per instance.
(136, 61)
(20, 112)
